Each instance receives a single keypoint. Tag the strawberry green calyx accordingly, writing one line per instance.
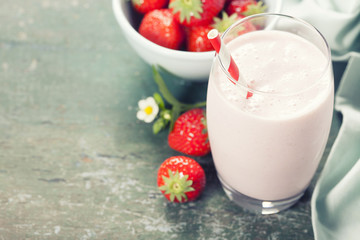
(225, 22)
(176, 185)
(255, 9)
(187, 9)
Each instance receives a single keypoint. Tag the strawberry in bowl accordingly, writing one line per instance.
(160, 27)
(195, 12)
(143, 7)
(182, 58)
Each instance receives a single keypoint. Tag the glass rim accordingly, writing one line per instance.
(299, 20)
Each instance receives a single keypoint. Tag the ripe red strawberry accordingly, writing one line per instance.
(195, 12)
(181, 179)
(245, 7)
(145, 6)
(160, 27)
(189, 135)
(197, 40)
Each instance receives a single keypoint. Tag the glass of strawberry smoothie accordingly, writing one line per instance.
(268, 130)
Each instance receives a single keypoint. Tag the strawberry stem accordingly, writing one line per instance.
(163, 89)
(177, 106)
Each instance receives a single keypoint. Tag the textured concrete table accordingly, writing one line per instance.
(74, 161)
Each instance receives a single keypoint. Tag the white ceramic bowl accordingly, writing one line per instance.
(194, 66)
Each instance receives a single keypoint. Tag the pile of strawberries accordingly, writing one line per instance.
(184, 24)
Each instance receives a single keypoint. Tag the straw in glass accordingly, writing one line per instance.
(225, 56)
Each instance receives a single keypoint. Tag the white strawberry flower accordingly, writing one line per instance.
(148, 110)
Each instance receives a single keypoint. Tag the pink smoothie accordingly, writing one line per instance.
(269, 146)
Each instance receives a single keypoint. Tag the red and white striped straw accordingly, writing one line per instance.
(225, 56)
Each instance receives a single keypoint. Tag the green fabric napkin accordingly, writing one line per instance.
(337, 20)
(335, 202)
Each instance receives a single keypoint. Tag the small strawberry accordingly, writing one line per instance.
(195, 12)
(197, 40)
(145, 6)
(245, 7)
(181, 179)
(189, 135)
(160, 27)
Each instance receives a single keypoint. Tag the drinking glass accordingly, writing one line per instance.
(268, 130)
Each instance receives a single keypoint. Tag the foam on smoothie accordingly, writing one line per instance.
(275, 62)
